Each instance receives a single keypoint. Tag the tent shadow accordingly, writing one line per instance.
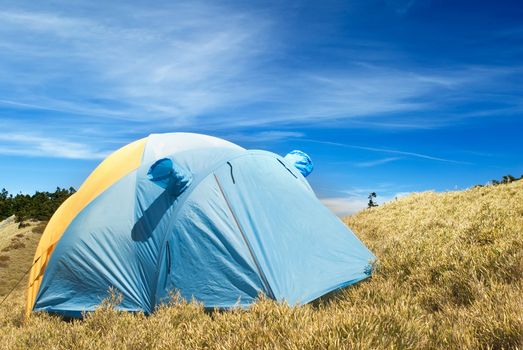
(152, 216)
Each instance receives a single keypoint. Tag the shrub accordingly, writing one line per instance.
(39, 228)
(4, 260)
(23, 224)
(14, 244)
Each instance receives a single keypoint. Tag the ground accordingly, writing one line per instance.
(449, 275)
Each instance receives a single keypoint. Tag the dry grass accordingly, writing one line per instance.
(450, 276)
(17, 247)
(4, 260)
(39, 228)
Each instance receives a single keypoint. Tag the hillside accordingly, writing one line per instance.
(450, 275)
(17, 247)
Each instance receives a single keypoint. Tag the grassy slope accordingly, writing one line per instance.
(450, 275)
(17, 247)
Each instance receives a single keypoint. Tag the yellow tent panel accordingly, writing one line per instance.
(113, 168)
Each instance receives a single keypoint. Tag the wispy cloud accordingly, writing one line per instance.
(386, 150)
(33, 145)
(380, 97)
(219, 69)
(376, 162)
(174, 67)
(264, 136)
(181, 67)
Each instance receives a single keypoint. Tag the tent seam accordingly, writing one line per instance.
(247, 243)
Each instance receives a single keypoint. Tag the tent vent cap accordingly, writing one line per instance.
(170, 176)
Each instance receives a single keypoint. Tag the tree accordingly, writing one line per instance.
(371, 197)
(5, 204)
(508, 179)
(39, 206)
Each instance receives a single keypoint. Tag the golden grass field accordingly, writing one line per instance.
(450, 276)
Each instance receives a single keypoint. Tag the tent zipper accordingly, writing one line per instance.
(260, 272)
(232, 175)
(168, 248)
(285, 166)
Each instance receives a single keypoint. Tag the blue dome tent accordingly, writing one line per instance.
(197, 215)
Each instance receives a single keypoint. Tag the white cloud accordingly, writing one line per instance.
(32, 145)
(387, 150)
(264, 136)
(355, 200)
(377, 162)
(209, 67)
(190, 64)
(343, 206)
(170, 66)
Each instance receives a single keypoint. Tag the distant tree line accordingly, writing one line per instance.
(39, 206)
(506, 180)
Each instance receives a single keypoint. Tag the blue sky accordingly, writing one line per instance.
(386, 96)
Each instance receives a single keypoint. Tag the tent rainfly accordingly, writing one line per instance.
(197, 215)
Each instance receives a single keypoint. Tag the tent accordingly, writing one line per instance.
(196, 215)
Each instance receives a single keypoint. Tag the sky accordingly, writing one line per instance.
(389, 96)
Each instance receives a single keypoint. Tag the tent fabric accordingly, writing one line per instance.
(205, 218)
(105, 175)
